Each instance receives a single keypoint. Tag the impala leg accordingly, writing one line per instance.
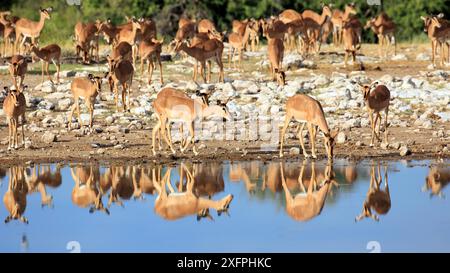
(168, 132)
(156, 130)
(378, 122)
(58, 69)
(42, 66)
(23, 130)
(9, 133)
(74, 106)
(47, 65)
(287, 193)
(150, 73)
(312, 138)
(194, 148)
(142, 66)
(16, 138)
(91, 113)
(158, 57)
(283, 132)
(195, 72)
(372, 127)
(78, 113)
(300, 138)
(229, 57)
(386, 125)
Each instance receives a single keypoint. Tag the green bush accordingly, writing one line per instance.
(167, 12)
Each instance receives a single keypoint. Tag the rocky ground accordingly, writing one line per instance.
(419, 112)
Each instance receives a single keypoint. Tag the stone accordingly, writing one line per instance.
(384, 146)
(404, 151)
(64, 104)
(399, 57)
(109, 120)
(48, 137)
(395, 145)
(294, 151)
(119, 147)
(423, 57)
(341, 138)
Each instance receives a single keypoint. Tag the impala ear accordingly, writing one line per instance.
(108, 20)
(423, 18)
(90, 76)
(440, 15)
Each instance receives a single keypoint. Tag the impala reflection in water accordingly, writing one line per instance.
(284, 206)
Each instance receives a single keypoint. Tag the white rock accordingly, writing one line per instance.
(399, 57)
(341, 138)
(48, 137)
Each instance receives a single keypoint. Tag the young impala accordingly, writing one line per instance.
(17, 67)
(121, 73)
(309, 112)
(14, 107)
(87, 88)
(50, 53)
(377, 97)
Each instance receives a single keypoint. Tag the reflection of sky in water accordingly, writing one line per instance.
(257, 223)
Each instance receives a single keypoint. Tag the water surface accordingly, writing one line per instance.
(227, 207)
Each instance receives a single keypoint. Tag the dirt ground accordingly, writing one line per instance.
(137, 143)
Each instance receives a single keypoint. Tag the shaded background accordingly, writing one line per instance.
(406, 13)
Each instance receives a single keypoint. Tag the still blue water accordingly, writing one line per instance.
(415, 218)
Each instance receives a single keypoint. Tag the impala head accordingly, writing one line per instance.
(326, 10)
(435, 181)
(13, 95)
(14, 67)
(97, 81)
(367, 88)
(281, 77)
(46, 12)
(432, 21)
(369, 23)
(222, 110)
(330, 142)
(204, 97)
(113, 62)
(350, 8)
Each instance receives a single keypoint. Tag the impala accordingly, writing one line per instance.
(377, 199)
(163, 127)
(314, 23)
(17, 67)
(47, 54)
(9, 30)
(186, 110)
(337, 18)
(211, 49)
(351, 41)
(237, 42)
(384, 28)
(14, 106)
(377, 98)
(437, 179)
(86, 37)
(308, 111)
(275, 49)
(294, 26)
(121, 73)
(438, 30)
(147, 50)
(85, 192)
(15, 198)
(26, 28)
(174, 205)
(308, 204)
(87, 88)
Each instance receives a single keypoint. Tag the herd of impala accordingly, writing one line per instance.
(137, 38)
